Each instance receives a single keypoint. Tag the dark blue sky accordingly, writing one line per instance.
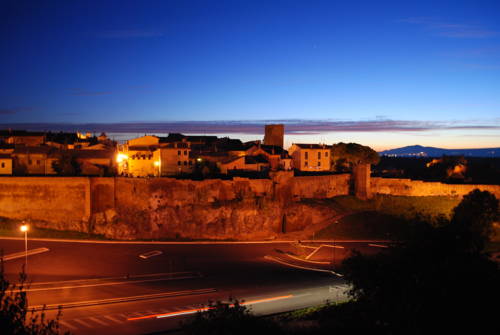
(428, 64)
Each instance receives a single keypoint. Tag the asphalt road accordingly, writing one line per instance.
(110, 289)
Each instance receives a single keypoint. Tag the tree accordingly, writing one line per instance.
(67, 165)
(15, 319)
(227, 319)
(351, 154)
(473, 218)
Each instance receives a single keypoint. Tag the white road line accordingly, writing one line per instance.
(23, 254)
(115, 320)
(301, 267)
(110, 283)
(324, 245)
(306, 260)
(80, 321)
(96, 320)
(68, 325)
(192, 242)
(377, 245)
(149, 254)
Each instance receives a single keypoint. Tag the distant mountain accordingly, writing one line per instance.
(420, 151)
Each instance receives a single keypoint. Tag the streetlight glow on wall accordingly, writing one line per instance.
(25, 228)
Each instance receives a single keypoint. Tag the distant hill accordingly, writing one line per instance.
(420, 151)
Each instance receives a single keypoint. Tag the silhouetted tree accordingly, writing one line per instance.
(351, 154)
(67, 165)
(15, 318)
(227, 319)
(473, 218)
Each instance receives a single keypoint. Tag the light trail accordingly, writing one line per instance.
(204, 309)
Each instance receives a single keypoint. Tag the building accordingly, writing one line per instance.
(310, 157)
(244, 163)
(5, 164)
(274, 135)
(155, 156)
(22, 137)
(38, 160)
(276, 156)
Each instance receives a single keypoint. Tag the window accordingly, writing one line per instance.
(319, 163)
(185, 163)
(305, 163)
(185, 152)
(179, 163)
(306, 155)
(3, 165)
(319, 154)
(326, 154)
(178, 152)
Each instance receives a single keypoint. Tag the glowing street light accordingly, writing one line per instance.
(24, 228)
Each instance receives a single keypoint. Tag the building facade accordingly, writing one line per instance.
(310, 157)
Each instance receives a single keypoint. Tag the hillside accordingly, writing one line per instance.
(421, 151)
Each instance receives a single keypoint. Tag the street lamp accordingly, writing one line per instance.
(25, 228)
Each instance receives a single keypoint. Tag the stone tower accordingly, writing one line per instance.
(274, 134)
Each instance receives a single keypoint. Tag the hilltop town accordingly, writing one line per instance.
(25, 153)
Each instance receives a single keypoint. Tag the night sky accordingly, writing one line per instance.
(380, 73)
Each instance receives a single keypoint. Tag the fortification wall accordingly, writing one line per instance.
(321, 187)
(416, 188)
(128, 208)
(61, 203)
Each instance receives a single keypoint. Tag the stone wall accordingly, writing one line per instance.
(61, 203)
(128, 208)
(416, 188)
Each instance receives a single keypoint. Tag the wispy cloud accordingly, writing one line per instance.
(12, 111)
(296, 127)
(82, 92)
(133, 33)
(452, 30)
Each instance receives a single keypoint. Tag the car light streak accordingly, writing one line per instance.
(204, 309)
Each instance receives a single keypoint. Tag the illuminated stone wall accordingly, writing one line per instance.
(61, 203)
(416, 188)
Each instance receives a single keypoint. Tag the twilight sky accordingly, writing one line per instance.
(380, 73)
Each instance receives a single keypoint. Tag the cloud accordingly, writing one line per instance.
(12, 111)
(452, 30)
(295, 127)
(82, 92)
(125, 34)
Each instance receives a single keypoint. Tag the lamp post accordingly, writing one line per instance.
(25, 228)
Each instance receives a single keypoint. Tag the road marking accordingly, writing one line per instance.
(67, 324)
(194, 275)
(378, 245)
(80, 321)
(306, 260)
(192, 242)
(326, 246)
(23, 254)
(149, 254)
(115, 320)
(96, 320)
(301, 267)
(124, 299)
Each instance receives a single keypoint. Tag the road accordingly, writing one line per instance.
(118, 288)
